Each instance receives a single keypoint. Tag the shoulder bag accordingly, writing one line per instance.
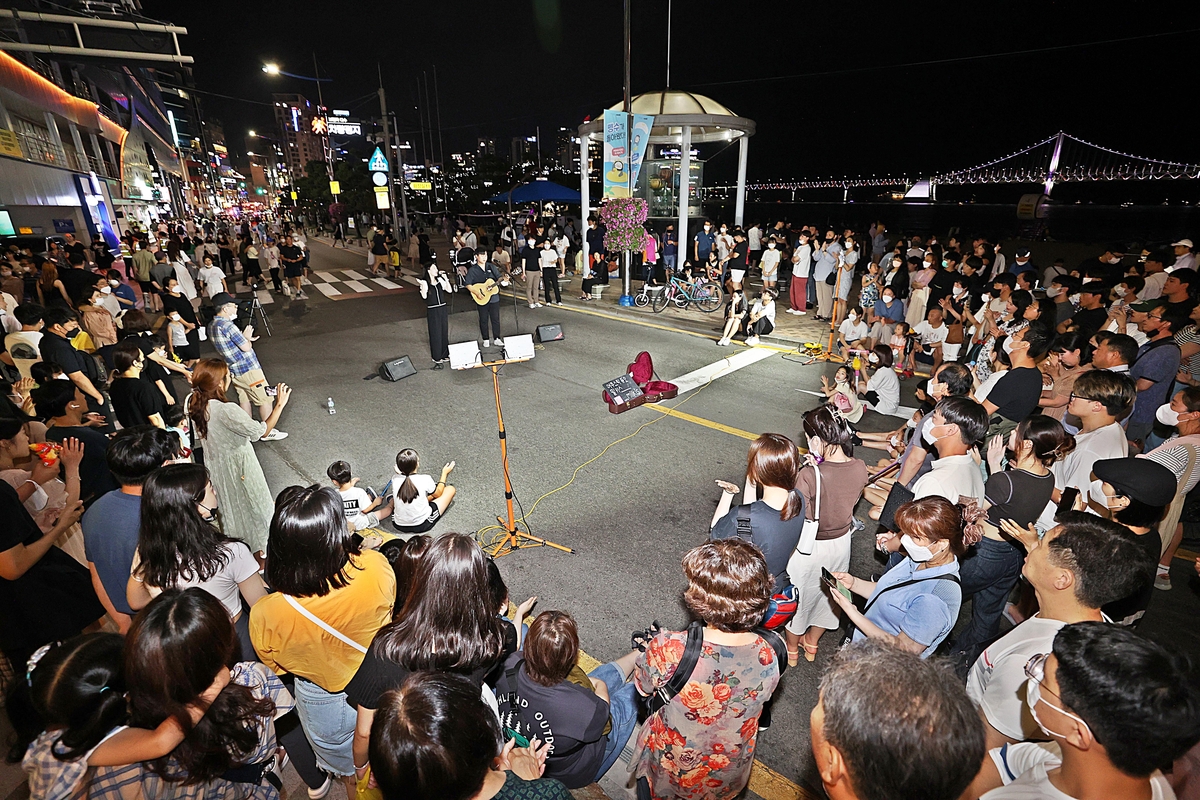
(323, 625)
(851, 627)
(808, 534)
(783, 604)
(653, 703)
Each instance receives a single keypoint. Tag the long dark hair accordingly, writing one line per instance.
(208, 383)
(310, 547)
(78, 689)
(406, 464)
(447, 622)
(775, 461)
(174, 541)
(176, 647)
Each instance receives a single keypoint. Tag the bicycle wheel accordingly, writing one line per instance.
(659, 301)
(641, 300)
(708, 296)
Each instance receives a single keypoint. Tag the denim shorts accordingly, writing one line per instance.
(328, 722)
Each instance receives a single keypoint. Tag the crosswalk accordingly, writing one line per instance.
(341, 284)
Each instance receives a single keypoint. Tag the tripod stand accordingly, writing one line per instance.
(255, 305)
(513, 539)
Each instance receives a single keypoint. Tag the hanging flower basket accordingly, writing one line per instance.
(623, 218)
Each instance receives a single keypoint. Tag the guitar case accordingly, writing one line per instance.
(642, 372)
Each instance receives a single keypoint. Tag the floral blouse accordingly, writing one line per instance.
(701, 744)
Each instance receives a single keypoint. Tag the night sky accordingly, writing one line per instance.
(831, 93)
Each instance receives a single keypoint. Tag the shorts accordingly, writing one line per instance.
(770, 274)
(328, 722)
(251, 387)
(421, 527)
(253, 269)
(950, 351)
(737, 275)
(924, 358)
(147, 287)
(293, 270)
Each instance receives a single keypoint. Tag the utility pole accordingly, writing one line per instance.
(627, 277)
(387, 146)
(437, 96)
(403, 179)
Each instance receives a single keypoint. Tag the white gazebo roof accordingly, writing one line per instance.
(673, 109)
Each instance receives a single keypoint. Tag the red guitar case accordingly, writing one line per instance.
(642, 372)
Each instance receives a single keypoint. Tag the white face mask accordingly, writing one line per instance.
(1167, 415)
(114, 284)
(887, 298)
(175, 317)
(1074, 299)
(62, 377)
(1120, 290)
(1054, 291)
(929, 437)
(958, 291)
(873, 359)
(1033, 696)
(987, 298)
(852, 317)
(1009, 343)
(1089, 280)
(912, 423)
(105, 290)
(771, 245)
(916, 552)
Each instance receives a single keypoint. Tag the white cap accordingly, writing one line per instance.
(1183, 243)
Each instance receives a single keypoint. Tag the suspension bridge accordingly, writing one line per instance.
(1061, 158)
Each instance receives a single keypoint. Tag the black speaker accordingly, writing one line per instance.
(550, 333)
(397, 368)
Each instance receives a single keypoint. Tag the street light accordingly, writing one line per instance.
(252, 134)
(271, 69)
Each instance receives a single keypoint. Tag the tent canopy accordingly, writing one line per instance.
(537, 192)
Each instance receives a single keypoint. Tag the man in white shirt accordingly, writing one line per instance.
(1184, 258)
(1077, 568)
(1099, 399)
(1156, 276)
(1115, 706)
(959, 423)
(754, 239)
(23, 346)
(212, 278)
(268, 259)
(933, 332)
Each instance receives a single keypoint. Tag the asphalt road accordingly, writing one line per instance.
(629, 514)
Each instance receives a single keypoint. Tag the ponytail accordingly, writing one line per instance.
(406, 464)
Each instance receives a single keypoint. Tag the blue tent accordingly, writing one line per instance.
(537, 192)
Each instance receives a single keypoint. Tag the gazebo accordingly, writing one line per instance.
(680, 119)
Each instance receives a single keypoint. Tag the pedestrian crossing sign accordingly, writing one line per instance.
(378, 162)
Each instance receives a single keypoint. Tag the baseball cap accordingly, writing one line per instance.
(1183, 243)
(1023, 252)
(1140, 478)
(1146, 306)
(222, 299)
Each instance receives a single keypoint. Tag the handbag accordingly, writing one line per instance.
(850, 626)
(831, 278)
(955, 333)
(808, 534)
(783, 604)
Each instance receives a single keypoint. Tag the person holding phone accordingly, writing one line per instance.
(236, 347)
(915, 604)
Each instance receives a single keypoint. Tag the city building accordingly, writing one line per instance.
(294, 116)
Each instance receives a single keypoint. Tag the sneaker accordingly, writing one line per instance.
(301, 296)
(800, 313)
(751, 341)
(274, 435)
(857, 524)
(534, 305)
(559, 303)
(1162, 580)
(322, 790)
(537, 305)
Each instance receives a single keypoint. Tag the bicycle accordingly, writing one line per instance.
(706, 296)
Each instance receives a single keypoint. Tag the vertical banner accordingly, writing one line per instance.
(639, 141)
(616, 156)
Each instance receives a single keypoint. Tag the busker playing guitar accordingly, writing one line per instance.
(483, 281)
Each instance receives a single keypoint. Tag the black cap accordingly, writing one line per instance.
(222, 299)
(1138, 478)
(1023, 252)
(464, 255)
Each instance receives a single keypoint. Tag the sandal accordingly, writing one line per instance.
(809, 654)
(793, 657)
(639, 639)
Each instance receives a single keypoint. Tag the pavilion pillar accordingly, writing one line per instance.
(739, 209)
(585, 199)
(685, 175)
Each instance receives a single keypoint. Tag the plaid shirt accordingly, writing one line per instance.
(53, 779)
(229, 340)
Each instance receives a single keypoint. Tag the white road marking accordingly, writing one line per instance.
(385, 283)
(328, 289)
(264, 297)
(305, 281)
(358, 287)
(719, 369)
(352, 275)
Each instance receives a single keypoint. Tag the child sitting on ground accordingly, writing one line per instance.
(852, 330)
(359, 504)
(178, 424)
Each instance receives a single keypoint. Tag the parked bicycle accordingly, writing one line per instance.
(706, 295)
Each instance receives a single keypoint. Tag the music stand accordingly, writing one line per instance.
(521, 349)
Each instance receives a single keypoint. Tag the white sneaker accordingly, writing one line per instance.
(274, 435)
(751, 341)
(318, 793)
(800, 313)
(534, 305)
(301, 296)
(539, 305)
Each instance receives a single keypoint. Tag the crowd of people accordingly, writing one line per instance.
(173, 628)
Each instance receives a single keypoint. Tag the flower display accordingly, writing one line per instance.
(623, 218)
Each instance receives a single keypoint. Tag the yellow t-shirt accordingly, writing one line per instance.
(287, 641)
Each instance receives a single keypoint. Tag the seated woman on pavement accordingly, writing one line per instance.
(544, 692)
(418, 501)
(915, 604)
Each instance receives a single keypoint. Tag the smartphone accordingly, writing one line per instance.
(1067, 501)
(271, 391)
(833, 583)
(509, 733)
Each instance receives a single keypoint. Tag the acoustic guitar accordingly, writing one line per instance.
(482, 293)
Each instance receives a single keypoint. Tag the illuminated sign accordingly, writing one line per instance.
(319, 126)
(421, 186)
(295, 119)
(341, 126)
(378, 162)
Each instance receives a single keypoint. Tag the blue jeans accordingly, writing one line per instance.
(622, 707)
(987, 577)
(670, 261)
(328, 722)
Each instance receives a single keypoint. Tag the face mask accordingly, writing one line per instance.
(213, 513)
(945, 263)
(1088, 280)
(771, 245)
(105, 290)
(1008, 345)
(815, 448)
(912, 423)
(887, 298)
(1054, 291)
(61, 377)
(1167, 415)
(987, 298)
(1114, 260)
(1074, 299)
(175, 317)
(873, 359)
(114, 284)
(1033, 695)
(916, 552)
(958, 292)
(1120, 290)
(853, 317)
(928, 435)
